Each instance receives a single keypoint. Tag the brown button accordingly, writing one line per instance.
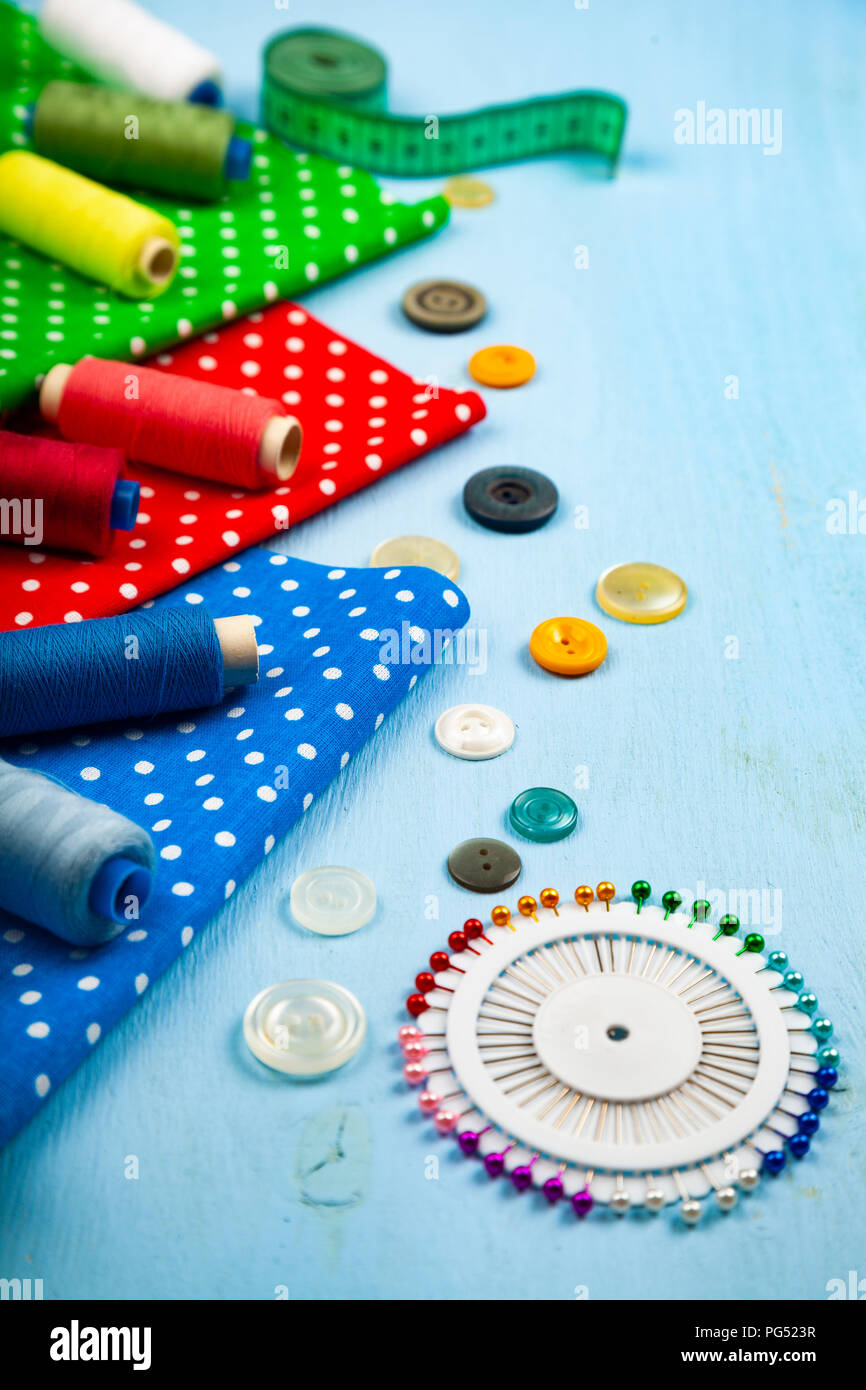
(484, 866)
(444, 306)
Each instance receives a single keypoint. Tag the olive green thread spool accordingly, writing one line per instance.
(172, 147)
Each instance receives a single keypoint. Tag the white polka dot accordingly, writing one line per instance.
(382, 673)
(94, 1033)
(450, 598)
(171, 852)
(38, 1030)
(141, 983)
(182, 890)
(144, 767)
(196, 755)
(254, 758)
(128, 591)
(186, 936)
(225, 838)
(231, 537)
(30, 996)
(89, 982)
(266, 794)
(90, 774)
(306, 750)
(153, 798)
(42, 1084)
(463, 412)
(345, 711)
(404, 595)
(332, 673)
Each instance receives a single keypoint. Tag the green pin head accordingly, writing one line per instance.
(700, 911)
(753, 942)
(729, 925)
(640, 891)
(671, 902)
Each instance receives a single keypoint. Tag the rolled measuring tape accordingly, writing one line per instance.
(326, 91)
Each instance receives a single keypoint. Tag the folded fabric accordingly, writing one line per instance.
(215, 789)
(362, 418)
(297, 221)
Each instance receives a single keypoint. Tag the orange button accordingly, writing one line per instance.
(502, 366)
(568, 646)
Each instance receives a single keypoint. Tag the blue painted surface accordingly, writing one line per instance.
(742, 772)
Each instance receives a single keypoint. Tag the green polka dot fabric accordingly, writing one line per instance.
(298, 221)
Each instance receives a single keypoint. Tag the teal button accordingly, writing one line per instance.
(543, 813)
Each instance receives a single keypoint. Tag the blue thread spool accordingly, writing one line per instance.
(66, 863)
(131, 667)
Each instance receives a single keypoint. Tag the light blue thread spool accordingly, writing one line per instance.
(67, 863)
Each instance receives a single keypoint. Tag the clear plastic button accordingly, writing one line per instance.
(333, 901)
(304, 1027)
(474, 731)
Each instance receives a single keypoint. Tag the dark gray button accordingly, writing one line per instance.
(510, 499)
(484, 866)
(444, 306)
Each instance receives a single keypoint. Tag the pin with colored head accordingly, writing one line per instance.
(501, 917)
(729, 925)
(527, 907)
(550, 898)
(753, 942)
(671, 902)
(583, 896)
(605, 892)
(640, 891)
(700, 911)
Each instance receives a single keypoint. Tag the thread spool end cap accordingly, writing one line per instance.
(280, 447)
(124, 505)
(239, 158)
(118, 880)
(206, 93)
(237, 639)
(158, 260)
(51, 390)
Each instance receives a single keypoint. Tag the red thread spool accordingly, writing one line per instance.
(173, 422)
(59, 495)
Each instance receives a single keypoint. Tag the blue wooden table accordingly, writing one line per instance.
(700, 330)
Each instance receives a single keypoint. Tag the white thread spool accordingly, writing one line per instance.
(124, 45)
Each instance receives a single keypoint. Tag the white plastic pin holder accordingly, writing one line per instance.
(619, 1055)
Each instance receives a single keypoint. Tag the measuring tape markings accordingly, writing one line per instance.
(325, 91)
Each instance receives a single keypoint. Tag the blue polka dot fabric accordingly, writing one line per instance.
(216, 789)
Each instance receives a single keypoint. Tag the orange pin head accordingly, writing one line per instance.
(501, 917)
(583, 896)
(549, 898)
(605, 892)
(527, 907)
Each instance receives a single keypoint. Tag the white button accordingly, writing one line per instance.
(474, 731)
(333, 901)
(304, 1027)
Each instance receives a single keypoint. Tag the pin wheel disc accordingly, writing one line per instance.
(631, 1057)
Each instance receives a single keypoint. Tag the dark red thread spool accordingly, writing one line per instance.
(173, 422)
(63, 496)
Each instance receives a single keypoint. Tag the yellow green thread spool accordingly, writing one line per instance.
(101, 234)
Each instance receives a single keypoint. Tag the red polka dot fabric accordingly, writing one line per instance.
(362, 418)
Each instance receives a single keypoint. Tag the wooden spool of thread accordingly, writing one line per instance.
(129, 47)
(101, 234)
(173, 422)
(135, 666)
(175, 147)
(64, 496)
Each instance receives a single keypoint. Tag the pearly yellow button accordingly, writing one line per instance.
(416, 550)
(641, 593)
(467, 192)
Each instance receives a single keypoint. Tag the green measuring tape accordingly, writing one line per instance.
(326, 92)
